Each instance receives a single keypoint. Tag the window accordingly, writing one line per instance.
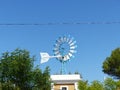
(64, 88)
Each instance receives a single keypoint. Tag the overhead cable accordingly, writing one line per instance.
(52, 23)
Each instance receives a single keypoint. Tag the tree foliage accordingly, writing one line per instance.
(96, 85)
(83, 85)
(108, 84)
(41, 80)
(111, 65)
(17, 72)
(16, 67)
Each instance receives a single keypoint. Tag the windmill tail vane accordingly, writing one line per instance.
(45, 57)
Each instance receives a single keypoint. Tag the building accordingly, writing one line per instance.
(65, 82)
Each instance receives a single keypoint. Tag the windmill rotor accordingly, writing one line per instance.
(65, 46)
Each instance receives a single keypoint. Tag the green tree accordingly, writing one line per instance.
(82, 85)
(16, 67)
(5, 72)
(46, 79)
(37, 79)
(17, 72)
(96, 85)
(118, 85)
(41, 80)
(111, 65)
(110, 84)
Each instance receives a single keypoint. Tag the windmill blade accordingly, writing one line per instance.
(70, 55)
(73, 47)
(55, 49)
(73, 51)
(57, 52)
(57, 45)
(58, 41)
(65, 39)
(72, 43)
(67, 57)
(71, 40)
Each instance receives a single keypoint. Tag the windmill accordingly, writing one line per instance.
(64, 48)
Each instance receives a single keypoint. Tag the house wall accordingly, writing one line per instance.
(70, 86)
(68, 81)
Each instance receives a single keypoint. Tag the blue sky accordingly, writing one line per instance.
(95, 41)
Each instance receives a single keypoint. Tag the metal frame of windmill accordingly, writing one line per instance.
(64, 47)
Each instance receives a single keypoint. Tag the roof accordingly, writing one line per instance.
(63, 79)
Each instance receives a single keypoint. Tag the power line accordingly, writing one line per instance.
(51, 23)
